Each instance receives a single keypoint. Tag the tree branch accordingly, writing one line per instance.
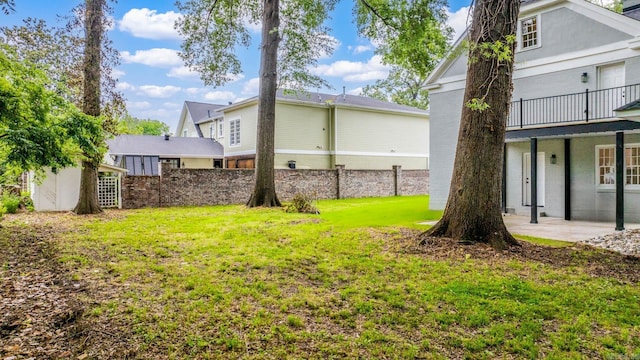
(384, 20)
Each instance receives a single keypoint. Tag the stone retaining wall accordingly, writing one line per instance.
(184, 187)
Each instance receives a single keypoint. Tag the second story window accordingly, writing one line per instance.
(220, 128)
(234, 132)
(529, 33)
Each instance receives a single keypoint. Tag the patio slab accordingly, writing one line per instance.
(560, 229)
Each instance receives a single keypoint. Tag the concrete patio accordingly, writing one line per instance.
(560, 229)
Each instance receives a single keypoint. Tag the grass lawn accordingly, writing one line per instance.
(231, 282)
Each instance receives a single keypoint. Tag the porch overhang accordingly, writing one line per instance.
(572, 130)
(630, 111)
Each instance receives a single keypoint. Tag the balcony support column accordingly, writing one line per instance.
(534, 180)
(620, 180)
(567, 179)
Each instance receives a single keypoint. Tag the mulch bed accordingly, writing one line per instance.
(43, 310)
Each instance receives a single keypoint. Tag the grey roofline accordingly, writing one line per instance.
(577, 129)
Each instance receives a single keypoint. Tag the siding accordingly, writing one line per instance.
(248, 128)
(302, 127)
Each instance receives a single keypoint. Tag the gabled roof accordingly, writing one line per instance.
(624, 23)
(201, 112)
(323, 99)
(157, 145)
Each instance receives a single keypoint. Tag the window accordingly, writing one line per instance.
(170, 163)
(606, 167)
(529, 33)
(184, 133)
(632, 164)
(141, 165)
(234, 132)
(220, 128)
(211, 134)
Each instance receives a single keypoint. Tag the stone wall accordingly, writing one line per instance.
(183, 187)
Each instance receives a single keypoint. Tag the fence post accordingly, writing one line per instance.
(397, 180)
(339, 180)
(586, 111)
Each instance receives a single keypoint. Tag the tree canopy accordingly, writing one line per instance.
(132, 125)
(401, 87)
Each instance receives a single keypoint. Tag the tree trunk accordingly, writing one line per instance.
(264, 192)
(473, 211)
(88, 200)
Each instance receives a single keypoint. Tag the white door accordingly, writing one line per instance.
(526, 179)
(610, 94)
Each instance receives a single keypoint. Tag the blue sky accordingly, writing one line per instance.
(156, 83)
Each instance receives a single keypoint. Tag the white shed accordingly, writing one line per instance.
(59, 192)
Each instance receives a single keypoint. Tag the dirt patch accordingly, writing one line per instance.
(42, 308)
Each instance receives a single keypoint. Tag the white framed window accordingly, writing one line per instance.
(234, 132)
(606, 166)
(530, 33)
(185, 133)
(211, 133)
(220, 128)
(632, 165)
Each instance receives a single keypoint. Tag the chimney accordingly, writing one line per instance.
(631, 8)
(166, 136)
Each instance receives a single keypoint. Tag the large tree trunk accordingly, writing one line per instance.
(88, 200)
(264, 192)
(473, 212)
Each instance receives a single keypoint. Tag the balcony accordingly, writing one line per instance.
(580, 107)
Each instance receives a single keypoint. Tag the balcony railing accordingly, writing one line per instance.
(578, 107)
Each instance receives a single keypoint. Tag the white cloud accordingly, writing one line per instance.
(158, 57)
(155, 91)
(353, 71)
(356, 91)
(220, 96)
(148, 24)
(193, 91)
(172, 105)
(251, 87)
(117, 73)
(360, 49)
(183, 72)
(124, 86)
(138, 105)
(458, 21)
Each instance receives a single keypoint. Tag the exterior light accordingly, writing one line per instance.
(584, 77)
(553, 159)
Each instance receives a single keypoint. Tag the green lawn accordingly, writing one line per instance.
(231, 282)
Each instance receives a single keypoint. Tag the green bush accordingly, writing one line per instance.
(302, 203)
(25, 201)
(11, 202)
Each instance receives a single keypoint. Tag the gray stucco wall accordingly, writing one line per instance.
(558, 38)
(446, 109)
(589, 202)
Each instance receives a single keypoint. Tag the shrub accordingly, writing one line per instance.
(25, 201)
(302, 203)
(11, 202)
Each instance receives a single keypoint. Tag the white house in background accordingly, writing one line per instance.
(574, 111)
(60, 192)
(319, 131)
(200, 120)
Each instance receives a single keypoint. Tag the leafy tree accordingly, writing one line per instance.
(473, 209)
(401, 87)
(290, 44)
(39, 127)
(131, 125)
(7, 6)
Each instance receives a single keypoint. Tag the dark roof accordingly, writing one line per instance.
(577, 129)
(345, 99)
(634, 105)
(157, 145)
(201, 112)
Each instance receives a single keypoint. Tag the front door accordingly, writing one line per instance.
(526, 179)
